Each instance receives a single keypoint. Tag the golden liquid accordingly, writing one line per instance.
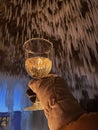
(38, 66)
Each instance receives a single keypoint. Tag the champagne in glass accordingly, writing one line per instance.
(38, 62)
(38, 66)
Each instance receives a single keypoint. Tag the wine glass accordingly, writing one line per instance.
(38, 62)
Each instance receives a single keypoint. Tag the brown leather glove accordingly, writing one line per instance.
(59, 105)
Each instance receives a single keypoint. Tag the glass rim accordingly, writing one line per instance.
(32, 52)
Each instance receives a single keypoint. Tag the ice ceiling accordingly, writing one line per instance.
(72, 26)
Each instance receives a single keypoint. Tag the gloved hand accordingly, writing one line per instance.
(59, 105)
